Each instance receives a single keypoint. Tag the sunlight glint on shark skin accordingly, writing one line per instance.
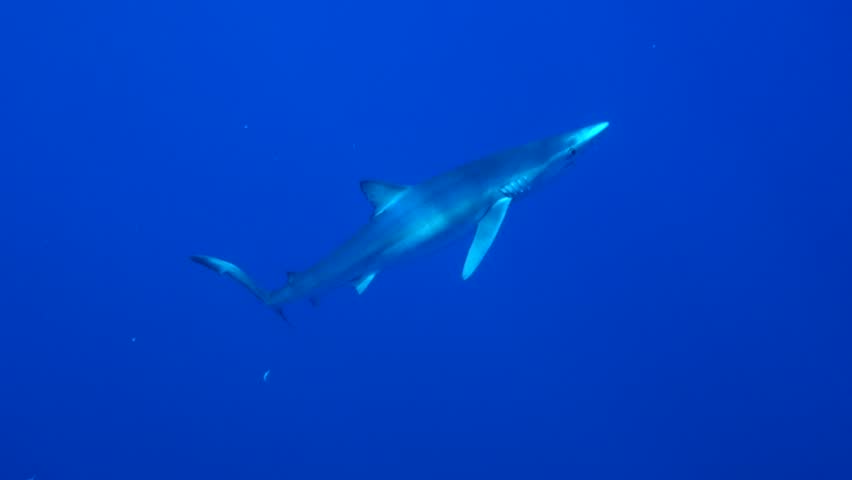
(407, 218)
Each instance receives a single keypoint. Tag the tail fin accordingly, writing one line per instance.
(229, 269)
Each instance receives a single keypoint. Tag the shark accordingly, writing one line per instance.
(408, 219)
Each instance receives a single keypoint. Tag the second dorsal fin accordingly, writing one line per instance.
(382, 195)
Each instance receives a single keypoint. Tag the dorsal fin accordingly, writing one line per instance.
(292, 277)
(382, 195)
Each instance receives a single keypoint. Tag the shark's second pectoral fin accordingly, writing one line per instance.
(486, 231)
(361, 283)
(381, 195)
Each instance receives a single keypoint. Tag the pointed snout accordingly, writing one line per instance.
(590, 132)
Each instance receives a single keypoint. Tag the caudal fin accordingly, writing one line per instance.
(228, 269)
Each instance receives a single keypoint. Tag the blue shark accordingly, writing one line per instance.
(407, 219)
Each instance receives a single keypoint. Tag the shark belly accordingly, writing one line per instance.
(434, 226)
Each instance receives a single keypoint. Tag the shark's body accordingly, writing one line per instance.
(408, 218)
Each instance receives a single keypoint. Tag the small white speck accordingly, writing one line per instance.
(133, 340)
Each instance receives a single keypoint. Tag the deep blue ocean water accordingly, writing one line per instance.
(677, 305)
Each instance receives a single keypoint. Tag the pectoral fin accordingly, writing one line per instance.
(362, 283)
(485, 233)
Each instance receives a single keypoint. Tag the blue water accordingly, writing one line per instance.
(678, 305)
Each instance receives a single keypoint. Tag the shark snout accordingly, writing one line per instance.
(587, 134)
(598, 128)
